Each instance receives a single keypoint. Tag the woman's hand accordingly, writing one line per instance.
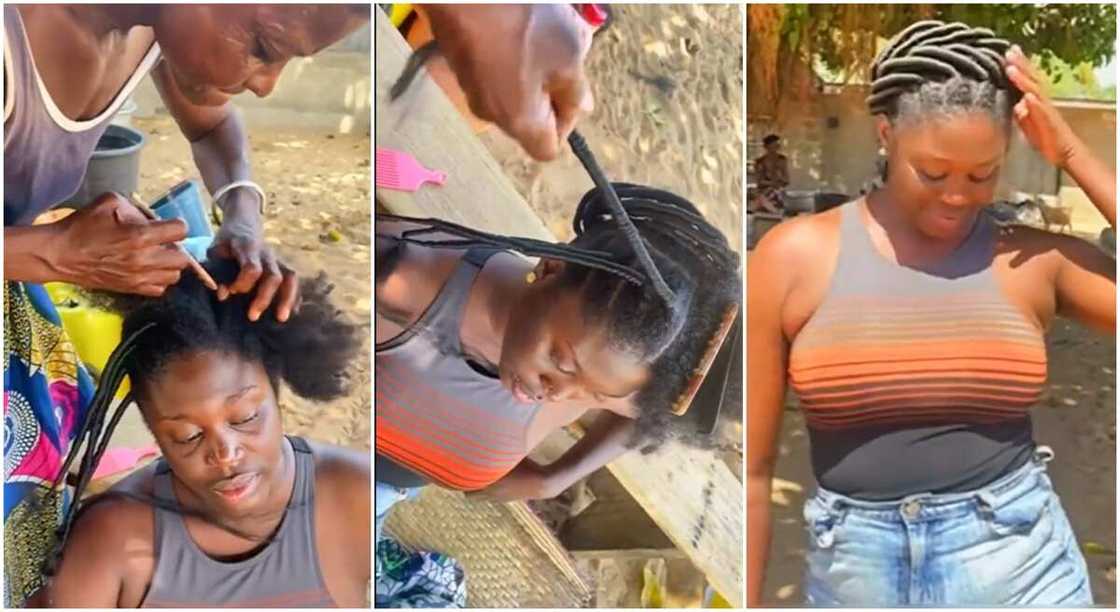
(239, 238)
(111, 245)
(521, 67)
(1049, 133)
(526, 481)
(1041, 123)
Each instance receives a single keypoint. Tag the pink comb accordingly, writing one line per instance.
(400, 171)
(122, 459)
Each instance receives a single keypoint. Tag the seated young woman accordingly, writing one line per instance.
(235, 513)
(482, 353)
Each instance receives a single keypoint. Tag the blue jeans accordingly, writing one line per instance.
(1008, 543)
(385, 496)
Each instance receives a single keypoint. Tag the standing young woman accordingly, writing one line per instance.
(911, 327)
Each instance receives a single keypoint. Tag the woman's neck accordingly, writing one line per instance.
(497, 290)
(103, 20)
(908, 243)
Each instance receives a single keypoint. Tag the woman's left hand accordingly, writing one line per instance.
(526, 481)
(1038, 118)
(240, 238)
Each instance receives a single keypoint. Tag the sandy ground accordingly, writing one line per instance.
(318, 219)
(668, 113)
(1076, 417)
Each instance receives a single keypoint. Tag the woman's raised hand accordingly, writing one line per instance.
(1038, 118)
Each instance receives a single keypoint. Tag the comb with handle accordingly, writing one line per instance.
(400, 171)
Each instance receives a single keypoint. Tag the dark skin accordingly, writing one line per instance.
(520, 67)
(216, 421)
(543, 349)
(86, 53)
(941, 173)
(773, 167)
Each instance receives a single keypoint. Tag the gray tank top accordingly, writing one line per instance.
(916, 381)
(440, 418)
(285, 574)
(45, 153)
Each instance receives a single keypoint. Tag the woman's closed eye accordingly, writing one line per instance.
(564, 366)
(983, 178)
(246, 420)
(932, 177)
(190, 439)
(260, 50)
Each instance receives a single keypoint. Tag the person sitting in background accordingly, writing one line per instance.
(771, 175)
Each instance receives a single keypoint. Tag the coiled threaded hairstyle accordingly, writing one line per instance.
(936, 68)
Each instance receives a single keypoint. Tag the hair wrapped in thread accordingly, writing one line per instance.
(936, 67)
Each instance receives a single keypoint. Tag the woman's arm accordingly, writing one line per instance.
(25, 259)
(221, 152)
(1047, 131)
(1085, 283)
(767, 353)
(111, 541)
(106, 245)
(603, 442)
(1085, 278)
(783, 171)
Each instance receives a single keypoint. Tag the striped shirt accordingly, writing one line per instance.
(436, 414)
(916, 381)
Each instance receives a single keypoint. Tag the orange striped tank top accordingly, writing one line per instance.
(916, 381)
(437, 416)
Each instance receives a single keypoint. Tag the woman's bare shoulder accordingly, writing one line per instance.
(799, 241)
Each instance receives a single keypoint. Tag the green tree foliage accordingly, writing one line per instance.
(844, 38)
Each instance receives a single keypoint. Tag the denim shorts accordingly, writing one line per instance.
(1006, 544)
(385, 496)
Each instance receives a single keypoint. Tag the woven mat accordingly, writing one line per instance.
(510, 557)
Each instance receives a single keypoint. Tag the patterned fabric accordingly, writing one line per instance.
(417, 580)
(46, 394)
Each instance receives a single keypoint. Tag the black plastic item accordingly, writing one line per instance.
(114, 166)
(825, 200)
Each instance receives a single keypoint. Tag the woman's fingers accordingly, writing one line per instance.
(159, 278)
(270, 280)
(1026, 65)
(167, 257)
(249, 261)
(1022, 82)
(289, 297)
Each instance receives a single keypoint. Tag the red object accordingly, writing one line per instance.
(592, 14)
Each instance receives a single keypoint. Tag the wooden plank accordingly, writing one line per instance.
(425, 124)
(691, 495)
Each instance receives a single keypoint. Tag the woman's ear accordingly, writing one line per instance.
(548, 267)
(884, 131)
